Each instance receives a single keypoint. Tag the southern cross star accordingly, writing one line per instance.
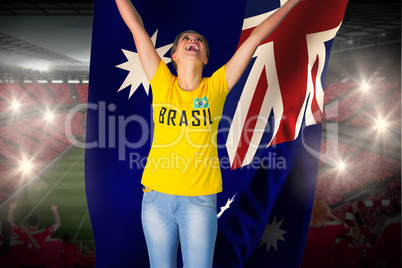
(272, 234)
(136, 75)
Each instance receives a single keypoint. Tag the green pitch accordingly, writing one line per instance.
(62, 185)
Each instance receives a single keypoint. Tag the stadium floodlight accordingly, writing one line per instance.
(26, 166)
(57, 81)
(364, 87)
(42, 81)
(85, 81)
(15, 105)
(341, 165)
(39, 65)
(381, 124)
(49, 116)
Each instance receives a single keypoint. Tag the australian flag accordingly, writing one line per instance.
(269, 136)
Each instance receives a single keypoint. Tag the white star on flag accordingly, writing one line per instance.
(225, 207)
(136, 75)
(272, 234)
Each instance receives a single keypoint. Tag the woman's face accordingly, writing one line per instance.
(191, 46)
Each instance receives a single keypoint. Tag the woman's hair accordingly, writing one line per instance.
(176, 41)
(319, 214)
(6, 229)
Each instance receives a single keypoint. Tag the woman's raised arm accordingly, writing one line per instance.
(145, 48)
(238, 63)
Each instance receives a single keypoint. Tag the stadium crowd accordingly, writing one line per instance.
(27, 246)
(334, 240)
(366, 234)
(352, 243)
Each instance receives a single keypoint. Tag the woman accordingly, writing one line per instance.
(182, 175)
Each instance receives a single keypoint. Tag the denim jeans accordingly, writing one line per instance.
(168, 219)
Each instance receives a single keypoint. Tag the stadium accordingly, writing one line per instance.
(43, 79)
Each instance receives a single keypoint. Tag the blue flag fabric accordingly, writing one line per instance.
(118, 132)
(266, 203)
(269, 135)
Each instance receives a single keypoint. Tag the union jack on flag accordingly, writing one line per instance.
(285, 79)
(270, 129)
(276, 110)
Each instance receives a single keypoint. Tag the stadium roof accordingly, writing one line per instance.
(47, 8)
(366, 24)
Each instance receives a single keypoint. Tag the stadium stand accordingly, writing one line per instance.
(389, 110)
(9, 152)
(391, 195)
(382, 88)
(3, 195)
(76, 127)
(40, 92)
(34, 139)
(4, 106)
(346, 106)
(13, 92)
(62, 92)
(335, 90)
(33, 147)
(352, 101)
(40, 136)
(48, 128)
(331, 150)
(363, 169)
(82, 91)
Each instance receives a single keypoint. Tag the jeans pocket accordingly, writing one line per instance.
(149, 196)
(204, 200)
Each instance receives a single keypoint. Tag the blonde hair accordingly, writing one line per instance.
(319, 214)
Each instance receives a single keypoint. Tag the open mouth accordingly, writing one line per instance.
(192, 47)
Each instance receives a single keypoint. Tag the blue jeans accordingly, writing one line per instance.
(168, 219)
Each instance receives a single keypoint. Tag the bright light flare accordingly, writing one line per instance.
(15, 105)
(49, 116)
(341, 165)
(364, 87)
(39, 65)
(26, 166)
(381, 124)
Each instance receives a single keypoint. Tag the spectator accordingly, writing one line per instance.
(388, 249)
(325, 227)
(35, 258)
(371, 234)
(53, 249)
(363, 252)
(11, 249)
(68, 255)
(85, 258)
(92, 254)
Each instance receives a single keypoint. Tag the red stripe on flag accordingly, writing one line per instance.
(251, 120)
(315, 109)
(244, 35)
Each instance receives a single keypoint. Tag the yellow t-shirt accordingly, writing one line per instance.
(184, 159)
